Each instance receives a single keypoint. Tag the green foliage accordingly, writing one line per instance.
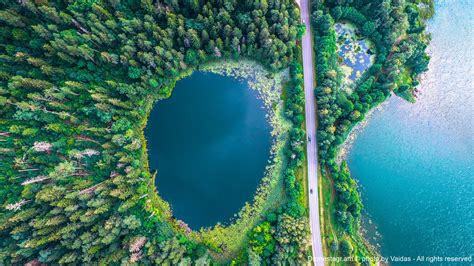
(282, 242)
(295, 152)
(349, 203)
(262, 241)
(77, 80)
(134, 73)
(346, 248)
(292, 238)
(283, 237)
(333, 245)
(397, 30)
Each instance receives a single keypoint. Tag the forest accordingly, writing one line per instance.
(397, 29)
(77, 79)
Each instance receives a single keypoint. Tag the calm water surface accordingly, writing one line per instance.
(415, 161)
(210, 144)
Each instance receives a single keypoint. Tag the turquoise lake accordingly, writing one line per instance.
(209, 142)
(414, 162)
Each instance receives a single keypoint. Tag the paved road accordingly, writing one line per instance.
(311, 132)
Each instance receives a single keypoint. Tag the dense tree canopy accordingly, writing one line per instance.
(396, 29)
(77, 80)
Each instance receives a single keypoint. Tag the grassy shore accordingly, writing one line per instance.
(227, 240)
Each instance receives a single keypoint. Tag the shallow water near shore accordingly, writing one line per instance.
(414, 162)
(209, 142)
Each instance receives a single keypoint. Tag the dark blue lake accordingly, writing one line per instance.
(210, 143)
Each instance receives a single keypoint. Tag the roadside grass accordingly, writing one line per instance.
(332, 231)
(328, 215)
(302, 176)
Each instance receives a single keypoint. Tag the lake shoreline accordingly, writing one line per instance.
(269, 194)
(345, 148)
(415, 158)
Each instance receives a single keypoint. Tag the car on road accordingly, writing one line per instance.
(309, 139)
(311, 191)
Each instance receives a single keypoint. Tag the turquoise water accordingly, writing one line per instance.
(210, 143)
(414, 162)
